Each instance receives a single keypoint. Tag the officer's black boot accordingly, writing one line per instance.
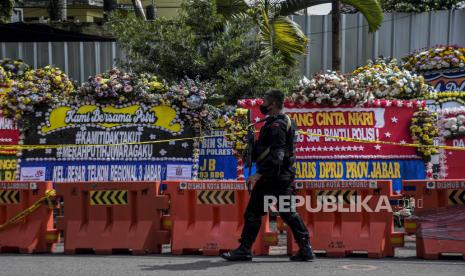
(249, 233)
(242, 253)
(305, 252)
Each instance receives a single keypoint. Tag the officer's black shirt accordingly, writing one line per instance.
(275, 135)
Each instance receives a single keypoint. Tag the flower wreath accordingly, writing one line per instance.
(448, 96)
(386, 80)
(436, 58)
(5, 82)
(330, 89)
(15, 68)
(423, 129)
(41, 86)
(236, 130)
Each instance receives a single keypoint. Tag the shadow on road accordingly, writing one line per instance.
(201, 265)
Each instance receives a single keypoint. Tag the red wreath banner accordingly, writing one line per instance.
(381, 120)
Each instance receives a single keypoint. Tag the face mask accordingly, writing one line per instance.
(264, 109)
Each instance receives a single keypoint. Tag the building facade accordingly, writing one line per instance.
(91, 10)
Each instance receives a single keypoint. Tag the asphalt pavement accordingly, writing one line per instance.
(405, 263)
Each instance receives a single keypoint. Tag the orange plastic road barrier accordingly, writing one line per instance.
(340, 232)
(208, 216)
(280, 224)
(107, 217)
(410, 226)
(33, 233)
(439, 216)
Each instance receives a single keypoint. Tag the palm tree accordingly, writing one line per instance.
(277, 32)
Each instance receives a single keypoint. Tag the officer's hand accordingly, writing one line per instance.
(250, 182)
(253, 179)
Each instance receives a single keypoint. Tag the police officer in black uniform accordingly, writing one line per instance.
(274, 155)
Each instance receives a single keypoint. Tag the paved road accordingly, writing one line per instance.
(198, 265)
(405, 263)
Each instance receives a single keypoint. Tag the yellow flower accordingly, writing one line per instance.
(154, 85)
(220, 123)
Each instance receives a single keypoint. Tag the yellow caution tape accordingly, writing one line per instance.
(48, 194)
(17, 147)
(32, 147)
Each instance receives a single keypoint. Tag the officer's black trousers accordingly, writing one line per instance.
(255, 211)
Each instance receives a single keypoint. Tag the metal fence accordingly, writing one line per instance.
(399, 35)
(78, 59)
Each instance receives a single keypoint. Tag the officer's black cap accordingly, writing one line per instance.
(276, 95)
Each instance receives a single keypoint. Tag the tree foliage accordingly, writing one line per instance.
(201, 43)
(370, 9)
(418, 5)
(6, 10)
(279, 33)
